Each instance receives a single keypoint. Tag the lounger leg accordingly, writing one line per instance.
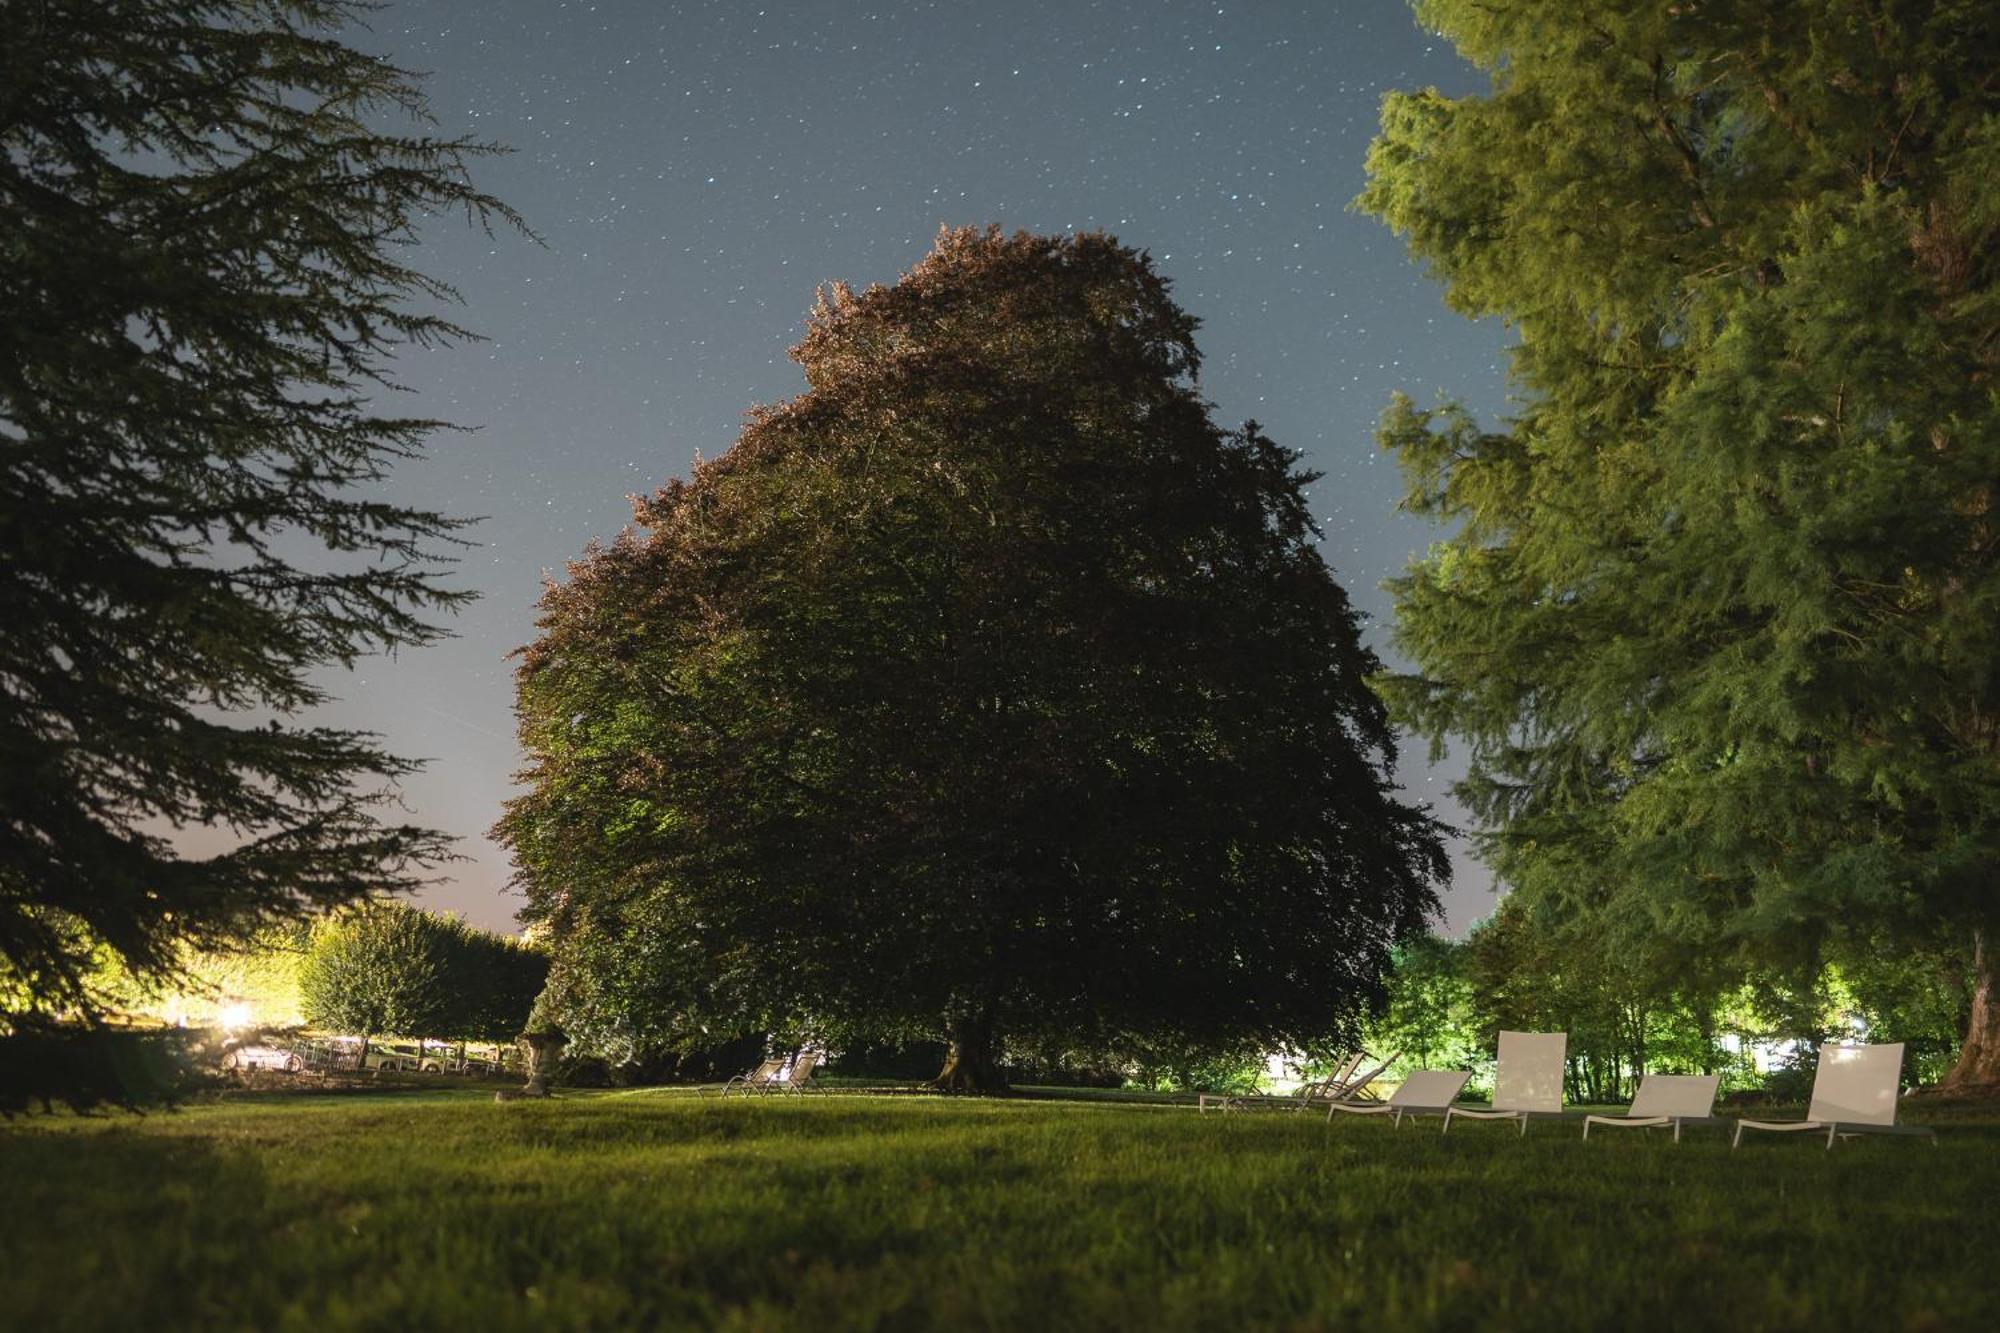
(1586, 1127)
(1447, 1121)
(1677, 1131)
(1832, 1133)
(1737, 1142)
(1524, 1127)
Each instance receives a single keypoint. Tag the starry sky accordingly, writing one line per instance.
(695, 169)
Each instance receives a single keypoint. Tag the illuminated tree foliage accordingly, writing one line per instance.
(390, 968)
(986, 687)
(1718, 609)
(204, 280)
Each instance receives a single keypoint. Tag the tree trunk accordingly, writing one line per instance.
(1978, 1069)
(361, 1060)
(970, 1064)
(1704, 1021)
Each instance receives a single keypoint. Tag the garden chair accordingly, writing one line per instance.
(1424, 1092)
(1527, 1082)
(1357, 1085)
(758, 1078)
(1290, 1101)
(1666, 1099)
(1853, 1092)
(797, 1077)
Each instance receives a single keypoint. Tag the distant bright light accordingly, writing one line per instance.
(236, 1015)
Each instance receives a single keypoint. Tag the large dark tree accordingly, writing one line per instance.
(1719, 612)
(985, 687)
(204, 275)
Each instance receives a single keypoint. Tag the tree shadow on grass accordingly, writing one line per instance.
(101, 1223)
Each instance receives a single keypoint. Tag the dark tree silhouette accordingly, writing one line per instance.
(985, 687)
(205, 276)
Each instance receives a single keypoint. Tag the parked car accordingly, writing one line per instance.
(429, 1060)
(391, 1059)
(257, 1055)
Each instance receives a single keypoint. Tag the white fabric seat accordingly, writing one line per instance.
(1291, 1101)
(1424, 1092)
(1854, 1092)
(757, 1078)
(1665, 1099)
(1528, 1080)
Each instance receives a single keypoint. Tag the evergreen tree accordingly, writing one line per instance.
(1718, 612)
(204, 279)
(987, 687)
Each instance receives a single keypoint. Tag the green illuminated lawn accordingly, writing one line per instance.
(663, 1210)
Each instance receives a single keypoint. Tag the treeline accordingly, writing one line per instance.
(391, 969)
(1630, 1010)
(380, 969)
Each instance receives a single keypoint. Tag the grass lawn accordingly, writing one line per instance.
(656, 1209)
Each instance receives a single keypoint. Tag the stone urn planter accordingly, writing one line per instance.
(544, 1046)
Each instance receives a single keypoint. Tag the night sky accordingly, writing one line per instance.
(696, 169)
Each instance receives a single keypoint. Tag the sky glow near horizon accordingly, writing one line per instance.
(696, 169)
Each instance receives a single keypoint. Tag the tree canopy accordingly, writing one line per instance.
(381, 968)
(985, 687)
(395, 969)
(1716, 612)
(206, 279)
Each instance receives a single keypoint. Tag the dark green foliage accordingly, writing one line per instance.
(1428, 1020)
(493, 982)
(204, 279)
(655, 1211)
(987, 687)
(1918, 996)
(1717, 614)
(1626, 1010)
(45, 1064)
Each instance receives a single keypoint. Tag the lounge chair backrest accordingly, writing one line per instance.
(1687, 1095)
(1530, 1074)
(1430, 1089)
(802, 1068)
(1344, 1070)
(1359, 1079)
(767, 1071)
(1857, 1084)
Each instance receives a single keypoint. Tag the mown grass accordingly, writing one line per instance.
(442, 1210)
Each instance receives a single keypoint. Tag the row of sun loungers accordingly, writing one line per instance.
(1854, 1092)
(1347, 1083)
(780, 1073)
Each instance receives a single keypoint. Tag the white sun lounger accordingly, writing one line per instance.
(1289, 1101)
(797, 1076)
(1854, 1092)
(1424, 1092)
(1528, 1081)
(1356, 1085)
(757, 1078)
(1666, 1099)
